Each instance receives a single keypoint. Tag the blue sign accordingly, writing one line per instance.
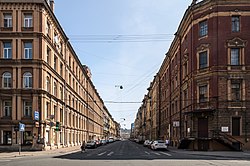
(21, 127)
(36, 116)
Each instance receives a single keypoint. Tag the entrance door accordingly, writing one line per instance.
(203, 143)
(202, 128)
(236, 126)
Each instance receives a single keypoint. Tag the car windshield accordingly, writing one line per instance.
(160, 141)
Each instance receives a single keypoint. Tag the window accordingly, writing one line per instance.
(27, 80)
(48, 28)
(27, 108)
(55, 62)
(7, 107)
(70, 79)
(235, 91)
(48, 110)
(7, 50)
(27, 50)
(48, 83)
(203, 60)
(203, 28)
(55, 88)
(28, 20)
(7, 20)
(6, 80)
(235, 56)
(235, 24)
(61, 93)
(48, 55)
(61, 69)
(203, 93)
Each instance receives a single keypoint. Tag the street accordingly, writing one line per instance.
(126, 153)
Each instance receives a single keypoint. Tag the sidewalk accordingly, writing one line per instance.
(224, 154)
(36, 153)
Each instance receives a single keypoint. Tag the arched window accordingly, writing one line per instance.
(27, 80)
(6, 82)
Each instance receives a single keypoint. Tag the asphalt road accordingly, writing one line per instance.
(124, 153)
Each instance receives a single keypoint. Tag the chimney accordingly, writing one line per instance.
(52, 4)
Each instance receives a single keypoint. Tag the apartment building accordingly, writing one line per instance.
(203, 82)
(43, 83)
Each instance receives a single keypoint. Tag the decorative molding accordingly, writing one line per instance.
(203, 47)
(236, 42)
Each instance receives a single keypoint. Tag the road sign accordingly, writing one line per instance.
(21, 127)
(36, 115)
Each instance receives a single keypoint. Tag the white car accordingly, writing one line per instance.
(146, 143)
(159, 144)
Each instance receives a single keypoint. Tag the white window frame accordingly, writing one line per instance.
(28, 50)
(7, 80)
(27, 108)
(27, 80)
(28, 20)
(7, 108)
(7, 50)
(8, 20)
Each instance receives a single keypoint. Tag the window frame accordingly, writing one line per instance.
(202, 64)
(7, 21)
(27, 109)
(235, 91)
(203, 28)
(7, 50)
(28, 50)
(27, 80)
(7, 80)
(235, 23)
(235, 61)
(27, 20)
(203, 93)
(7, 109)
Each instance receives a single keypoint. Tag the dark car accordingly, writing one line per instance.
(91, 144)
(103, 142)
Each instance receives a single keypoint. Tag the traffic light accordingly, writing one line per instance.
(58, 126)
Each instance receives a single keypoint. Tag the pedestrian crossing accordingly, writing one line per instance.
(111, 153)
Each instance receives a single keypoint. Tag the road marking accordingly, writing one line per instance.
(100, 154)
(147, 152)
(110, 154)
(166, 153)
(157, 153)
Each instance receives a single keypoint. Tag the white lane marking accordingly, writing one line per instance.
(100, 154)
(157, 153)
(110, 154)
(166, 153)
(147, 152)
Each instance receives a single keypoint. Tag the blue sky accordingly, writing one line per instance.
(129, 53)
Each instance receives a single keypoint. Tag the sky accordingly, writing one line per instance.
(124, 43)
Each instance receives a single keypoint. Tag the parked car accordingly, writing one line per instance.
(158, 144)
(103, 142)
(146, 143)
(91, 144)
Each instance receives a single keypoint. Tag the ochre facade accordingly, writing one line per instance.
(43, 83)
